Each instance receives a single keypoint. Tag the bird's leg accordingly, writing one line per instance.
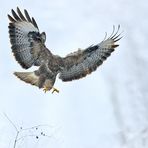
(45, 89)
(55, 90)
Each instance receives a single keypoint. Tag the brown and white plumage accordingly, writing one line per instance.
(28, 47)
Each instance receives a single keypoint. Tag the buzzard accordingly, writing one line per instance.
(29, 49)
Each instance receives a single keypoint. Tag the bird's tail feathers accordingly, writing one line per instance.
(28, 77)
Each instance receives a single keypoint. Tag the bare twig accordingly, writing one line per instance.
(34, 127)
(17, 131)
(25, 137)
(11, 122)
(21, 129)
(15, 141)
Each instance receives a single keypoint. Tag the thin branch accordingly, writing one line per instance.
(18, 131)
(25, 137)
(14, 146)
(11, 122)
(35, 127)
(17, 134)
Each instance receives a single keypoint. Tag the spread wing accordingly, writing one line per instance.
(83, 62)
(25, 38)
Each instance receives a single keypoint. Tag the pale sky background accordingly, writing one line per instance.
(107, 109)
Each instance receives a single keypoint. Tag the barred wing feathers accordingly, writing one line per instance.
(23, 32)
(83, 62)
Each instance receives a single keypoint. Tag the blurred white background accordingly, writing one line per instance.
(108, 108)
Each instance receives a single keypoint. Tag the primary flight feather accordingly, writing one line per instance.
(28, 47)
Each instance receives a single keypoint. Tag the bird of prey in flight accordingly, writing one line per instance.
(29, 49)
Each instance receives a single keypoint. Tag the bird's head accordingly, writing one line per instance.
(43, 37)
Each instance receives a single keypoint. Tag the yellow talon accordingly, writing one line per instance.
(45, 89)
(55, 90)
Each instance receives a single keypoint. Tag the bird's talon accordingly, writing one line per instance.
(45, 89)
(55, 90)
